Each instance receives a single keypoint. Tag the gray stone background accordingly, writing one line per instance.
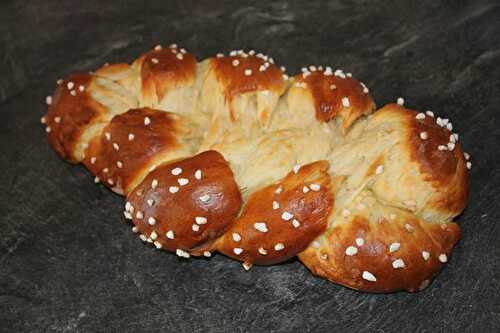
(68, 263)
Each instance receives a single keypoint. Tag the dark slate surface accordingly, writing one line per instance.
(69, 263)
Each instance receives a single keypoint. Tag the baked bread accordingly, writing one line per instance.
(231, 155)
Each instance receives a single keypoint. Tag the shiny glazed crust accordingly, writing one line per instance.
(231, 155)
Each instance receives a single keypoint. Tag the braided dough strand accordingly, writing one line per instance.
(231, 155)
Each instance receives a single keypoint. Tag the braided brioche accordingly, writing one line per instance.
(232, 155)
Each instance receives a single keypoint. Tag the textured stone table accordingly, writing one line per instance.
(69, 263)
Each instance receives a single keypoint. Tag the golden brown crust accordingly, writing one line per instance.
(280, 220)
(70, 112)
(444, 167)
(439, 156)
(335, 95)
(128, 144)
(241, 74)
(164, 69)
(441, 165)
(186, 215)
(190, 205)
(382, 256)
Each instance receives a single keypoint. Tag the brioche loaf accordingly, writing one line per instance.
(231, 155)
